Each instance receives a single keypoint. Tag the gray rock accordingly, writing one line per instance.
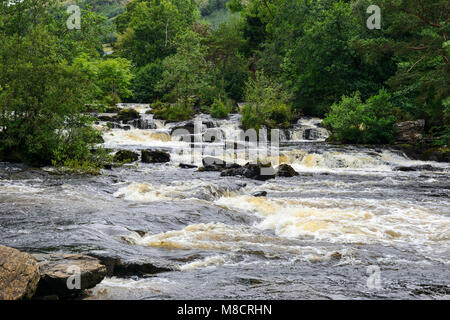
(285, 170)
(154, 156)
(409, 131)
(56, 269)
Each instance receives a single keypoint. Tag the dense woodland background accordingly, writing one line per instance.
(283, 58)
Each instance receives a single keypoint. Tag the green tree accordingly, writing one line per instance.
(186, 73)
(266, 104)
(149, 28)
(41, 93)
(146, 81)
(352, 121)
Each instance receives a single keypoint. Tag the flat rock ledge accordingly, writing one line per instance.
(19, 274)
(67, 275)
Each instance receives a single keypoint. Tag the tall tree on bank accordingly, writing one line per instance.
(149, 28)
(41, 93)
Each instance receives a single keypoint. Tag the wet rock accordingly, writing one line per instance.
(212, 164)
(187, 166)
(143, 124)
(211, 161)
(260, 194)
(256, 171)
(107, 166)
(59, 270)
(436, 154)
(213, 135)
(127, 115)
(285, 170)
(425, 167)
(188, 126)
(19, 274)
(409, 131)
(154, 156)
(107, 117)
(125, 156)
(209, 169)
(118, 268)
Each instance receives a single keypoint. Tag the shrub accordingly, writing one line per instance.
(266, 104)
(144, 85)
(220, 109)
(352, 121)
(179, 111)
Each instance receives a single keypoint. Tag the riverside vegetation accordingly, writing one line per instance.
(283, 58)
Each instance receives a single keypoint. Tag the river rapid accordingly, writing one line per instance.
(349, 226)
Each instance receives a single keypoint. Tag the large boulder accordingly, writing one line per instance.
(59, 274)
(212, 164)
(154, 156)
(19, 274)
(125, 156)
(255, 171)
(125, 115)
(186, 126)
(409, 131)
(285, 170)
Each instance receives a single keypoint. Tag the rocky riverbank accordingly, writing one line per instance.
(55, 276)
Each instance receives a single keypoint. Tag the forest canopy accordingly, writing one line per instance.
(284, 58)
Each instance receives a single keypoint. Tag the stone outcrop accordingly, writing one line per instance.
(125, 156)
(126, 115)
(19, 274)
(154, 156)
(120, 268)
(255, 171)
(66, 275)
(409, 131)
(285, 170)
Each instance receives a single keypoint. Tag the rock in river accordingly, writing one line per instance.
(56, 269)
(256, 171)
(19, 274)
(154, 156)
(285, 170)
(125, 156)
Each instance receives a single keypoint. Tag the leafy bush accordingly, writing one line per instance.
(352, 121)
(144, 85)
(179, 111)
(220, 109)
(266, 104)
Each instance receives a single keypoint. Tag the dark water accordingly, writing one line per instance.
(313, 237)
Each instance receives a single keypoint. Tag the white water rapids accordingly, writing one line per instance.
(311, 236)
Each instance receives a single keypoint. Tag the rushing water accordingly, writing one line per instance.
(312, 237)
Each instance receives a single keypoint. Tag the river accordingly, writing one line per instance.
(349, 226)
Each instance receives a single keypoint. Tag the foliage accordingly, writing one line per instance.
(186, 73)
(220, 109)
(111, 78)
(352, 121)
(179, 111)
(146, 81)
(266, 104)
(42, 91)
(148, 29)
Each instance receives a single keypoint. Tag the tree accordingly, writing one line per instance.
(266, 104)
(146, 81)
(352, 121)
(149, 28)
(186, 73)
(224, 47)
(41, 93)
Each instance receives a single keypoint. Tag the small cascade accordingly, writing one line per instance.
(308, 130)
